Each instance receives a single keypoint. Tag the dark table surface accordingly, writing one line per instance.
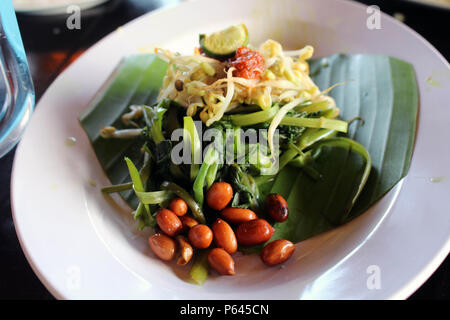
(51, 47)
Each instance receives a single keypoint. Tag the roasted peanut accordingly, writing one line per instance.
(219, 195)
(188, 222)
(277, 252)
(238, 215)
(162, 246)
(186, 251)
(277, 207)
(200, 236)
(178, 206)
(254, 232)
(168, 222)
(221, 261)
(224, 236)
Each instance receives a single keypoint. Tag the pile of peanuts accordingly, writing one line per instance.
(249, 230)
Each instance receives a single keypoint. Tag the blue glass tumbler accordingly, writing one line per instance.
(16, 86)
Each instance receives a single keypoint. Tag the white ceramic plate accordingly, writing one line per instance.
(443, 4)
(52, 7)
(82, 245)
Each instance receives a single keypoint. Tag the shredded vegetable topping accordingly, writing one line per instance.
(263, 77)
(252, 77)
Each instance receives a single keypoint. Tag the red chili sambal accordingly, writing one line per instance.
(249, 63)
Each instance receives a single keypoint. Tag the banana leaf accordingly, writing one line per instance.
(135, 81)
(316, 205)
(379, 89)
(382, 91)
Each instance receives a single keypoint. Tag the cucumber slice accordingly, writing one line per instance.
(223, 44)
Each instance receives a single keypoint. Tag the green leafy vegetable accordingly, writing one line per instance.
(246, 192)
(153, 118)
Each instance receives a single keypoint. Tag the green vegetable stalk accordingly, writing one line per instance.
(118, 187)
(199, 183)
(138, 185)
(190, 135)
(249, 119)
(310, 137)
(321, 122)
(197, 211)
(153, 118)
(310, 107)
(200, 268)
(211, 175)
(154, 197)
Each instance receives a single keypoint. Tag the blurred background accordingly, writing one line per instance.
(51, 47)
